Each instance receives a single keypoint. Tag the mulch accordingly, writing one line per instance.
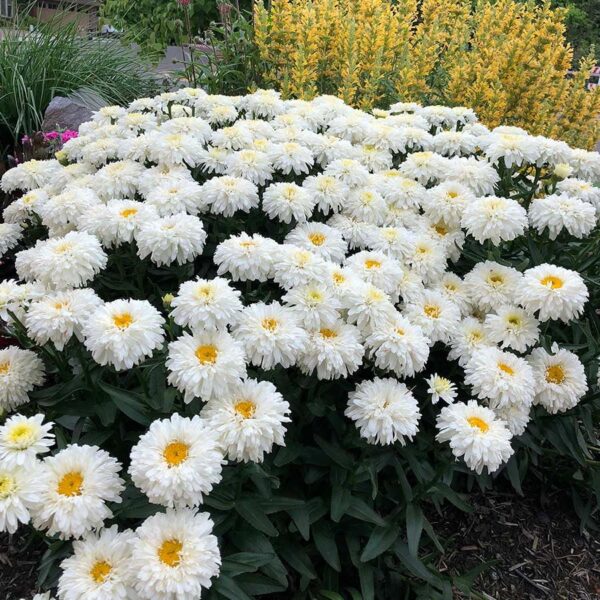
(537, 550)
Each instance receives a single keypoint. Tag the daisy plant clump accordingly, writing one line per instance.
(254, 343)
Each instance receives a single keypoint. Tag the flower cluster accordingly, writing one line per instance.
(353, 258)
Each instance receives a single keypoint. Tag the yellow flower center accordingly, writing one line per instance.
(475, 336)
(432, 311)
(555, 374)
(441, 229)
(451, 287)
(245, 408)
(495, 279)
(514, 320)
(375, 295)
(506, 368)
(207, 354)
(169, 552)
(399, 331)
(248, 244)
(100, 571)
(552, 282)
(422, 250)
(452, 195)
(270, 324)
(70, 484)
(315, 296)
(7, 485)
(128, 212)
(59, 305)
(371, 263)
(204, 292)
(62, 248)
(123, 320)
(175, 453)
(4, 368)
(318, 239)
(338, 278)
(479, 423)
(22, 434)
(328, 333)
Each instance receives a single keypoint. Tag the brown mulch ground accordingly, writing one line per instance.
(539, 552)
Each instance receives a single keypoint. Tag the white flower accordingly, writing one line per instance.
(205, 364)
(512, 149)
(291, 157)
(29, 175)
(249, 420)
(560, 380)
(368, 307)
(426, 257)
(263, 103)
(234, 137)
(20, 371)
(496, 219)
(468, 338)
(176, 149)
(323, 240)
(399, 191)
(19, 492)
(314, 304)
(577, 188)
(555, 292)
(10, 235)
(287, 201)
(357, 233)
(175, 239)
(123, 333)
(58, 316)
(500, 377)
(175, 195)
(174, 556)
(23, 208)
(118, 179)
(450, 143)
(377, 269)
(516, 417)
(385, 411)
(425, 167)
(293, 266)
(586, 165)
(63, 263)
(454, 288)
(118, 221)
(441, 388)
(450, 199)
(437, 316)
(334, 351)
(475, 434)
(558, 212)
(253, 165)
(217, 160)
(225, 195)
(99, 567)
(177, 461)
(478, 175)
(23, 438)
(349, 171)
(399, 346)
(206, 304)
(62, 212)
(512, 327)
(491, 285)
(76, 483)
(328, 192)
(246, 257)
(365, 204)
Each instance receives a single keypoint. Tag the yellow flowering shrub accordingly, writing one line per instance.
(507, 59)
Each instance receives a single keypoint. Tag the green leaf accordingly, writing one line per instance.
(252, 512)
(324, 539)
(225, 586)
(414, 565)
(301, 519)
(367, 582)
(380, 540)
(359, 509)
(414, 528)
(127, 403)
(257, 584)
(336, 453)
(245, 562)
(297, 558)
(340, 501)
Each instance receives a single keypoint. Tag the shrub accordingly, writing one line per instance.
(53, 59)
(507, 60)
(299, 319)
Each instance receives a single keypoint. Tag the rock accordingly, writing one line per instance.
(70, 112)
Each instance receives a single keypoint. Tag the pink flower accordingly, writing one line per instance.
(184, 2)
(25, 140)
(69, 134)
(51, 135)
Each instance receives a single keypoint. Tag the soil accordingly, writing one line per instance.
(537, 551)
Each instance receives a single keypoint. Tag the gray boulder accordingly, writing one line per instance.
(70, 112)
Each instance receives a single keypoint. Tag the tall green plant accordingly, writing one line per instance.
(55, 59)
